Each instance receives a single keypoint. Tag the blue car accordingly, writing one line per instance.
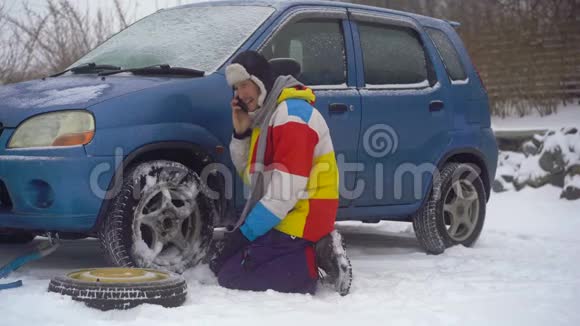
(130, 144)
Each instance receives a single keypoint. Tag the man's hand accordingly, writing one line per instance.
(240, 118)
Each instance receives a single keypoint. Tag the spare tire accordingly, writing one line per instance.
(121, 288)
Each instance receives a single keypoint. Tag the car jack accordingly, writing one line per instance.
(43, 250)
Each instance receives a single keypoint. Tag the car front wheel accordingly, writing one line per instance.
(160, 219)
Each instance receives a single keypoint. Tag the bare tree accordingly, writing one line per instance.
(43, 42)
(527, 51)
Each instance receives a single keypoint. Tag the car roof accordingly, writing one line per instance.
(282, 5)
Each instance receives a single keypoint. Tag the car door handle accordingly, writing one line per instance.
(436, 106)
(337, 108)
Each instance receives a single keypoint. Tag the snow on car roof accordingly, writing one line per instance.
(285, 4)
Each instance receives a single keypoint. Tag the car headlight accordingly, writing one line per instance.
(64, 128)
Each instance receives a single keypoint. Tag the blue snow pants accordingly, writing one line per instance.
(274, 261)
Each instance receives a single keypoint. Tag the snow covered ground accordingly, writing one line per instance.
(525, 270)
(567, 116)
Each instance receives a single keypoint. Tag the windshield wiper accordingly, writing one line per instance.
(87, 68)
(162, 69)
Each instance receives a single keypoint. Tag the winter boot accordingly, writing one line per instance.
(215, 249)
(333, 263)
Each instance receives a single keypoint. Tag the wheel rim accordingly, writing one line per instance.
(461, 210)
(118, 275)
(166, 222)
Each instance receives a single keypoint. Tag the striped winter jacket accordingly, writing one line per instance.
(301, 197)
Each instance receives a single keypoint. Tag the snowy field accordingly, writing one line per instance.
(525, 270)
(567, 116)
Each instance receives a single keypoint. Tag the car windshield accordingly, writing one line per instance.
(198, 37)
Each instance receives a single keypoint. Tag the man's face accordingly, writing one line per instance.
(249, 93)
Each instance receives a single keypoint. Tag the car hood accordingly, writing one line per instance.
(23, 100)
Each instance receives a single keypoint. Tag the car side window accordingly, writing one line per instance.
(448, 54)
(318, 45)
(393, 56)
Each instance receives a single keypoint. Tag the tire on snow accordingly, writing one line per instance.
(16, 237)
(121, 288)
(431, 223)
(130, 242)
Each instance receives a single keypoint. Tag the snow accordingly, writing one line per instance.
(55, 97)
(530, 169)
(33, 158)
(62, 83)
(145, 254)
(199, 37)
(460, 82)
(150, 182)
(567, 116)
(521, 168)
(6, 92)
(509, 163)
(330, 87)
(572, 181)
(525, 270)
(422, 84)
(566, 144)
(392, 92)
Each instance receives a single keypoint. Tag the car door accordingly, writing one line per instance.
(404, 123)
(320, 40)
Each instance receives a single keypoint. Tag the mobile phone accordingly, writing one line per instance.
(242, 104)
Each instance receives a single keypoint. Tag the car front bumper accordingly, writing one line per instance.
(52, 189)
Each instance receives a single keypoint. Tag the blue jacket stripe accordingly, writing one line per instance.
(299, 108)
(259, 221)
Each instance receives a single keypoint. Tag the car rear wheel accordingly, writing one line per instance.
(161, 219)
(454, 213)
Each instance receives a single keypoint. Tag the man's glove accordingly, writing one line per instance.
(233, 243)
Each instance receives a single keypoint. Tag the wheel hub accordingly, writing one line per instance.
(118, 275)
(168, 223)
(461, 208)
(168, 212)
